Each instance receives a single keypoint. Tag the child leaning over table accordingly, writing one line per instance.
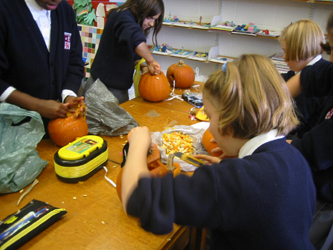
(264, 199)
(301, 42)
(317, 144)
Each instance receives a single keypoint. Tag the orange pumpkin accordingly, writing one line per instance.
(208, 145)
(65, 130)
(155, 166)
(154, 88)
(182, 74)
(153, 158)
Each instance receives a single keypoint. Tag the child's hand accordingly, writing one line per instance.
(74, 103)
(208, 159)
(217, 149)
(154, 68)
(52, 109)
(140, 136)
(144, 70)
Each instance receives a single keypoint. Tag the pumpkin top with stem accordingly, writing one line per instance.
(170, 167)
(81, 111)
(181, 63)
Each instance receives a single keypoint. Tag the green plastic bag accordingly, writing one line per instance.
(20, 132)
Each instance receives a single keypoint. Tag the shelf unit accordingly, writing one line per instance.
(266, 14)
(205, 29)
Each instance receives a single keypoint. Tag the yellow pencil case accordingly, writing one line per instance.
(81, 159)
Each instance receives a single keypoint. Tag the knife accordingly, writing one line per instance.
(125, 153)
(189, 159)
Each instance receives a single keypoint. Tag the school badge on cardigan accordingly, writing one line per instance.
(67, 40)
(329, 114)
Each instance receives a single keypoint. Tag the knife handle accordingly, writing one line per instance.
(194, 161)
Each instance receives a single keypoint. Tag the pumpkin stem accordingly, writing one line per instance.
(169, 164)
(181, 63)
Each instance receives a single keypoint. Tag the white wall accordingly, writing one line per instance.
(270, 14)
(192, 9)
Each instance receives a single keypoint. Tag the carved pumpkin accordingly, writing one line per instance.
(154, 88)
(153, 158)
(65, 130)
(155, 166)
(182, 74)
(208, 145)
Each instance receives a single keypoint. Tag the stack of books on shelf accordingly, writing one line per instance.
(279, 62)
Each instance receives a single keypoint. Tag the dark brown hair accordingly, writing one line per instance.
(329, 28)
(329, 24)
(142, 9)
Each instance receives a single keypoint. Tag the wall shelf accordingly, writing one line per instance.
(220, 59)
(209, 29)
(266, 15)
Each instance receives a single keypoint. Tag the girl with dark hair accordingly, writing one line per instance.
(123, 44)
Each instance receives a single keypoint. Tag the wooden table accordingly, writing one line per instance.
(95, 217)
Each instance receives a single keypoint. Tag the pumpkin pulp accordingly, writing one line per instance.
(65, 130)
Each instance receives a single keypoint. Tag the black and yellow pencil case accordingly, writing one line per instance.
(21, 226)
(81, 159)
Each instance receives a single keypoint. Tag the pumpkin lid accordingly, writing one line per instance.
(81, 147)
(201, 115)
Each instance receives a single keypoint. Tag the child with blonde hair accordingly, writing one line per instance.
(263, 199)
(317, 144)
(301, 42)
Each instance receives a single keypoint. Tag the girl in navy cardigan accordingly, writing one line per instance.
(123, 44)
(317, 145)
(262, 199)
(301, 42)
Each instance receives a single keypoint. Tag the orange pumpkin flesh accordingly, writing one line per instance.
(153, 159)
(65, 130)
(208, 145)
(182, 74)
(154, 88)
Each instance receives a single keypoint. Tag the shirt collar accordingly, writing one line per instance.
(313, 61)
(250, 146)
(36, 10)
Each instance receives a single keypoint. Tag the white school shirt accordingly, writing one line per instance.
(250, 146)
(313, 61)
